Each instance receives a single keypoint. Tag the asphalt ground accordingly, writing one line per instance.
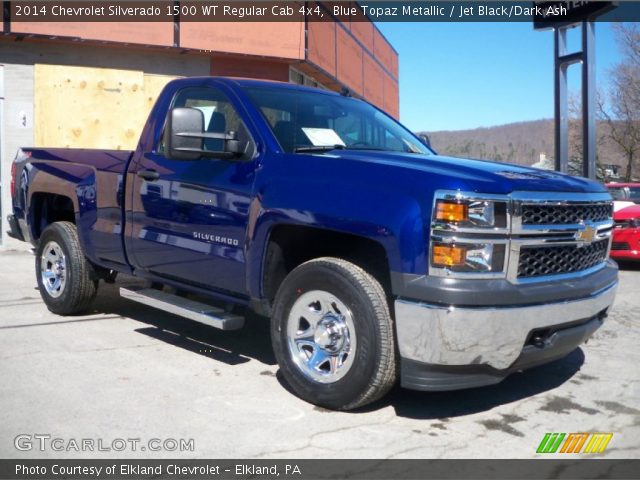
(129, 372)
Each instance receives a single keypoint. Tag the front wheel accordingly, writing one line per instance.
(64, 275)
(332, 334)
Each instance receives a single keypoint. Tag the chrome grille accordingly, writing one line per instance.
(536, 261)
(565, 214)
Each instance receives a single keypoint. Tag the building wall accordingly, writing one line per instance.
(148, 33)
(339, 53)
(276, 40)
(57, 75)
(238, 66)
(358, 57)
(23, 126)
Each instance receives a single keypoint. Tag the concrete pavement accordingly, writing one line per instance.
(131, 372)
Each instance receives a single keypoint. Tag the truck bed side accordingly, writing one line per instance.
(81, 185)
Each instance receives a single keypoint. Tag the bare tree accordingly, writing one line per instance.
(622, 114)
(576, 157)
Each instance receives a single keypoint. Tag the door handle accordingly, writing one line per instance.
(149, 175)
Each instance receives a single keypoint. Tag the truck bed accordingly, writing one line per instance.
(95, 181)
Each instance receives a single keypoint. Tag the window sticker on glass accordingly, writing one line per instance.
(322, 136)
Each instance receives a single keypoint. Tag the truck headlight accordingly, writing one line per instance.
(463, 213)
(456, 257)
(469, 234)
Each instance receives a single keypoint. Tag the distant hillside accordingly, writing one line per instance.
(520, 143)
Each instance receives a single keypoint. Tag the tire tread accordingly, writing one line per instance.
(385, 370)
(82, 287)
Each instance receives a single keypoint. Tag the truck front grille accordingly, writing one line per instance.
(536, 261)
(566, 214)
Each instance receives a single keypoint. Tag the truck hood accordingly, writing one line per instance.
(475, 175)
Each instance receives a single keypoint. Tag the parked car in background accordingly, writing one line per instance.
(626, 234)
(625, 191)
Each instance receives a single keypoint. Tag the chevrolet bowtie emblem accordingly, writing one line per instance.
(586, 235)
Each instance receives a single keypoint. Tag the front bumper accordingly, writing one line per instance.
(626, 244)
(625, 254)
(436, 338)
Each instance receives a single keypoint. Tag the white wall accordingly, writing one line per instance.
(17, 117)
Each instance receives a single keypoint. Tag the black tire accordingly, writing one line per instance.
(79, 289)
(372, 372)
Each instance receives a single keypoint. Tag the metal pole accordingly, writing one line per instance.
(588, 100)
(562, 120)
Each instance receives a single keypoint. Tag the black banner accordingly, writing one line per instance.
(545, 13)
(328, 468)
(576, 12)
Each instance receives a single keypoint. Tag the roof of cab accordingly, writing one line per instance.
(251, 82)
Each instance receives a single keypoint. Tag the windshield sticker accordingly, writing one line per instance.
(322, 136)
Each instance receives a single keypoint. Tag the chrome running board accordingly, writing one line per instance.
(183, 307)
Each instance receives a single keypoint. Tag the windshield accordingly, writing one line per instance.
(631, 194)
(305, 121)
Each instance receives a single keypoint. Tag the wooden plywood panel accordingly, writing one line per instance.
(88, 107)
(146, 33)
(349, 61)
(153, 85)
(322, 45)
(270, 39)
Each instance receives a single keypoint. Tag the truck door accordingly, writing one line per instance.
(188, 218)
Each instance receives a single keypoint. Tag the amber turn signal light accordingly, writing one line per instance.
(447, 256)
(451, 211)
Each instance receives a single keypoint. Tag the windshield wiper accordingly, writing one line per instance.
(319, 148)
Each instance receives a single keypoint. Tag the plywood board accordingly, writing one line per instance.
(153, 85)
(83, 107)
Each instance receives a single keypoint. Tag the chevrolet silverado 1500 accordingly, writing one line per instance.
(376, 260)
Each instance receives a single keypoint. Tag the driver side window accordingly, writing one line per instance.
(219, 116)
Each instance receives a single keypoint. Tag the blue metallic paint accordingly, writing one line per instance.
(385, 197)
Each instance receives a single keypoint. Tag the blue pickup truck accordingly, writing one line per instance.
(376, 260)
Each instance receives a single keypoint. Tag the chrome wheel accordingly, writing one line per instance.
(53, 269)
(321, 336)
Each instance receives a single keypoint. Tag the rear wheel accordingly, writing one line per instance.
(332, 334)
(64, 275)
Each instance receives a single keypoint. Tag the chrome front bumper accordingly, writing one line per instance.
(453, 336)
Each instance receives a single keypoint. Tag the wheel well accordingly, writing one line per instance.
(290, 246)
(47, 208)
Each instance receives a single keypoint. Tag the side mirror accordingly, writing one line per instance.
(186, 135)
(424, 138)
(184, 126)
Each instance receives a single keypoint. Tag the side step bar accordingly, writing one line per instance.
(199, 312)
